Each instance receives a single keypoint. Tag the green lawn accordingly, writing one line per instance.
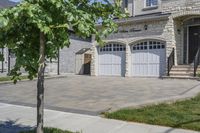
(49, 130)
(8, 78)
(182, 114)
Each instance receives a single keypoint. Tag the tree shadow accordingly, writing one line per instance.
(179, 125)
(10, 126)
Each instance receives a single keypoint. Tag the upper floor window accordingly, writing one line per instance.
(150, 3)
(126, 3)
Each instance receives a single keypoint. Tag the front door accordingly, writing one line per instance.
(194, 42)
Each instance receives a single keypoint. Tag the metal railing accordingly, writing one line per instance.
(170, 61)
(196, 62)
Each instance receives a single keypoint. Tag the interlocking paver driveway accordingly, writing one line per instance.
(91, 95)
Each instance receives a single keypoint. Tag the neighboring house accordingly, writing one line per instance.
(160, 38)
(67, 56)
(6, 3)
(4, 65)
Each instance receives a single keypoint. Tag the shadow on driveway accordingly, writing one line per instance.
(10, 126)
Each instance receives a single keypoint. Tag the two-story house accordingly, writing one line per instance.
(160, 38)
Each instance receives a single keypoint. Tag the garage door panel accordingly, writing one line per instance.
(105, 59)
(143, 69)
(145, 58)
(154, 57)
(116, 69)
(139, 57)
(104, 70)
(112, 62)
(117, 58)
(153, 70)
(148, 59)
(136, 70)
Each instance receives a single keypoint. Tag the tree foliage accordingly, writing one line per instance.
(20, 27)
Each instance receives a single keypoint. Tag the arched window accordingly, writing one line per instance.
(148, 45)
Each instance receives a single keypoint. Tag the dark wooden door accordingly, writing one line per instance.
(87, 62)
(194, 42)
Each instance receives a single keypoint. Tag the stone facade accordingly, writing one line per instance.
(167, 22)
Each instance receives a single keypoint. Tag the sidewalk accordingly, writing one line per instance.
(14, 118)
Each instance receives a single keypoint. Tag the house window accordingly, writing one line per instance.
(150, 3)
(126, 3)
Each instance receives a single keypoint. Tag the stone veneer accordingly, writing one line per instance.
(170, 30)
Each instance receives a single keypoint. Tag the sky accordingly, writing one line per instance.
(15, 0)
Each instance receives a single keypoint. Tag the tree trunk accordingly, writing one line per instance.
(40, 85)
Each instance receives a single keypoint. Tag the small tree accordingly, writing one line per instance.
(36, 29)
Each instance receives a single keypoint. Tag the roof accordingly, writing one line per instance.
(144, 18)
(7, 3)
(83, 50)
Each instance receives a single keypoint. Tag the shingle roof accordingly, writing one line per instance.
(143, 18)
(83, 50)
(6, 3)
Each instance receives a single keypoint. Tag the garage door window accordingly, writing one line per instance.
(113, 47)
(150, 45)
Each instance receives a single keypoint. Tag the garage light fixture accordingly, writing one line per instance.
(145, 27)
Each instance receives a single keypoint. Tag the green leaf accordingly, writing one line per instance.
(3, 22)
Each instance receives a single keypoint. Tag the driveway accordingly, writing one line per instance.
(92, 95)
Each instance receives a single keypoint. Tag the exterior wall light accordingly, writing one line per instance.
(145, 27)
(179, 31)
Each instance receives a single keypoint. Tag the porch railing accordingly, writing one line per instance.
(196, 62)
(170, 61)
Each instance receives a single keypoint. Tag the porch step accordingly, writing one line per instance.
(181, 77)
(183, 72)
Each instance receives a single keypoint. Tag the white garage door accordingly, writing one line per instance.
(112, 60)
(148, 59)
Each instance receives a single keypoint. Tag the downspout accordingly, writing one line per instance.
(2, 62)
(8, 62)
(58, 67)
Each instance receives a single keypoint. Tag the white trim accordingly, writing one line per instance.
(133, 8)
(188, 26)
